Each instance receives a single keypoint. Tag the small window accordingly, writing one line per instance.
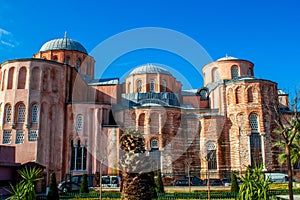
(216, 75)
(249, 73)
(35, 114)
(154, 143)
(152, 86)
(139, 86)
(234, 72)
(8, 114)
(79, 122)
(211, 155)
(78, 64)
(32, 135)
(20, 137)
(254, 123)
(67, 60)
(21, 113)
(6, 137)
(55, 58)
(203, 94)
(164, 86)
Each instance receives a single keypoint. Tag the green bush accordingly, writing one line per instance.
(234, 183)
(53, 191)
(84, 188)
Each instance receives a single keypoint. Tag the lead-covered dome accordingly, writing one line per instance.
(63, 44)
(150, 69)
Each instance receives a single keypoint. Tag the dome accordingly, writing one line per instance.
(63, 44)
(227, 58)
(149, 69)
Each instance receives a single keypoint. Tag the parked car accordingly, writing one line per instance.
(183, 182)
(213, 182)
(194, 181)
(226, 181)
(73, 184)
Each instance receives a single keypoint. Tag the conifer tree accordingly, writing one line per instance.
(84, 188)
(53, 191)
(159, 183)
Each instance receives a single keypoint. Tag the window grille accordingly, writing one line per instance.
(21, 113)
(6, 137)
(35, 113)
(20, 137)
(33, 135)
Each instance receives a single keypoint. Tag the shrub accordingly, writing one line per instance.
(159, 183)
(234, 183)
(53, 191)
(84, 188)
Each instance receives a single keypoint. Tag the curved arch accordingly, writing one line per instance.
(154, 123)
(21, 112)
(250, 94)
(141, 121)
(215, 74)
(7, 114)
(3, 80)
(35, 78)
(254, 123)
(238, 95)
(22, 78)
(34, 113)
(10, 80)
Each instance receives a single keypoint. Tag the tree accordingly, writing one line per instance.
(289, 129)
(25, 188)
(53, 191)
(234, 183)
(84, 188)
(254, 185)
(135, 166)
(159, 183)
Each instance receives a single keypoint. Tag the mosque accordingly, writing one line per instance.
(56, 114)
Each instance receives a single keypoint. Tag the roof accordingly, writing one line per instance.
(105, 81)
(63, 44)
(227, 58)
(150, 69)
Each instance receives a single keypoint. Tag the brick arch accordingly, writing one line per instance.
(239, 94)
(22, 78)
(3, 80)
(35, 78)
(20, 112)
(8, 116)
(154, 122)
(10, 81)
(141, 122)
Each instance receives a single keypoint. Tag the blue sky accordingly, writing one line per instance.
(265, 32)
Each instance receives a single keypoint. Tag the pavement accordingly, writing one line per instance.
(296, 197)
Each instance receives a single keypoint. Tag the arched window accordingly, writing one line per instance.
(234, 72)
(250, 95)
(79, 122)
(255, 148)
(8, 114)
(253, 123)
(22, 78)
(78, 157)
(152, 86)
(142, 119)
(238, 95)
(211, 155)
(203, 94)
(10, 78)
(139, 86)
(35, 113)
(21, 113)
(68, 60)
(78, 64)
(216, 75)
(164, 86)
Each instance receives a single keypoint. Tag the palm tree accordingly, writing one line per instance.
(135, 165)
(25, 188)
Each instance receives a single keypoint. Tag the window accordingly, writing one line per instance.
(6, 137)
(21, 113)
(152, 86)
(79, 122)
(32, 135)
(154, 143)
(129, 88)
(249, 73)
(203, 94)
(78, 157)
(211, 156)
(35, 114)
(234, 72)
(255, 146)
(254, 123)
(22, 78)
(67, 60)
(55, 58)
(216, 75)
(78, 64)
(20, 137)
(164, 86)
(139, 86)
(8, 114)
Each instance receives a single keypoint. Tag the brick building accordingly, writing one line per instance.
(55, 113)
